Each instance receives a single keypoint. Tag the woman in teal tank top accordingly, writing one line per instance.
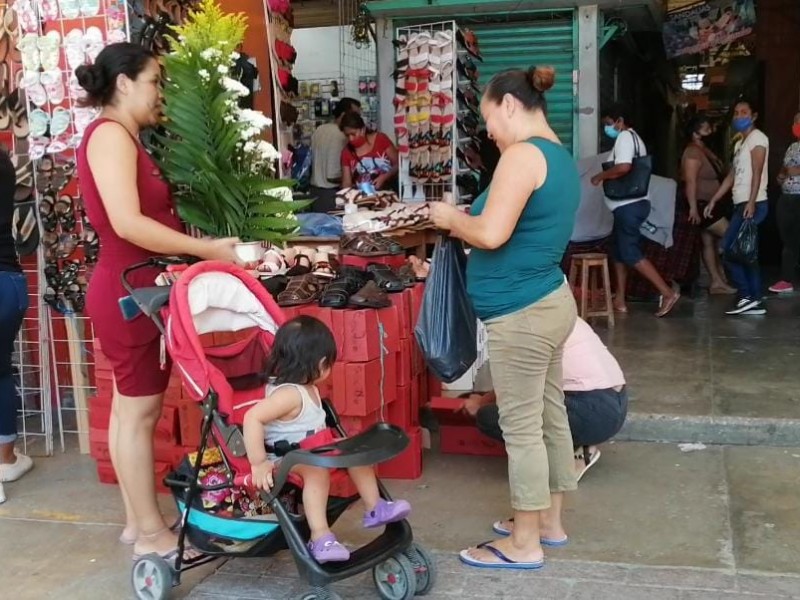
(518, 230)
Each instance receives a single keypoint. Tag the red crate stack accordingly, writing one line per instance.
(458, 433)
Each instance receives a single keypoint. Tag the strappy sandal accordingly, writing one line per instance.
(323, 267)
(25, 229)
(337, 294)
(361, 244)
(302, 266)
(370, 296)
(275, 284)
(272, 263)
(406, 275)
(300, 290)
(47, 212)
(91, 244)
(67, 243)
(190, 555)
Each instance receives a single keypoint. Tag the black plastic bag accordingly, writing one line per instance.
(744, 249)
(447, 328)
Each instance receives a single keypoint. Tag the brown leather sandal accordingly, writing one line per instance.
(370, 296)
(304, 289)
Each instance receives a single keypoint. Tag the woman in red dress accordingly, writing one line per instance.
(130, 207)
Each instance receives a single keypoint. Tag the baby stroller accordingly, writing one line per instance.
(212, 297)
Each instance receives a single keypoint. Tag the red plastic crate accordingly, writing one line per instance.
(417, 293)
(434, 386)
(390, 319)
(402, 302)
(339, 388)
(362, 342)
(399, 412)
(355, 425)
(337, 318)
(105, 472)
(446, 410)
(99, 413)
(98, 444)
(362, 262)
(467, 439)
(404, 363)
(167, 425)
(190, 417)
(407, 465)
(363, 386)
(323, 314)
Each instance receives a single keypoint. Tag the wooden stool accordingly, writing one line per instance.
(592, 267)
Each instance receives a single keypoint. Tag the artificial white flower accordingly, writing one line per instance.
(235, 86)
(235, 55)
(268, 151)
(204, 75)
(222, 69)
(210, 54)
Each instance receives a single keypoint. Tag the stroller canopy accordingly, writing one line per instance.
(212, 298)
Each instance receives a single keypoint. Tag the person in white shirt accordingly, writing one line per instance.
(629, 215)
(327, 143)
(748, 180)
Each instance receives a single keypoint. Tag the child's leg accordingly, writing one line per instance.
(367, 485)
(379, 512)
(316, 485)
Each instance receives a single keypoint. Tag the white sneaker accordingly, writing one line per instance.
(2, 494)
(14, 471)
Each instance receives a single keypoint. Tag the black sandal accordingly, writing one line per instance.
(338, 293)
(386, 278)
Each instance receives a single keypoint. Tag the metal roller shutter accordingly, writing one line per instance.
(522, 44)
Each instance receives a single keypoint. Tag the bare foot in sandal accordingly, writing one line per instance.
(164, 543)
(667, 304)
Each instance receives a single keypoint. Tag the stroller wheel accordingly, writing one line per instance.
(152, 578)
(395, 578)
(320, 594)
(424, 568)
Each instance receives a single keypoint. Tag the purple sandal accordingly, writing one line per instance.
(386, 512)
(328, 549)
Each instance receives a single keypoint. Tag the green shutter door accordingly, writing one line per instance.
(523, 44)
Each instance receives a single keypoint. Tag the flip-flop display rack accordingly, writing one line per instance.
(436, 110)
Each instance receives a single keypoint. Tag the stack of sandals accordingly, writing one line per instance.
(332, 285)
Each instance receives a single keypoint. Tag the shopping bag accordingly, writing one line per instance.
(447, 328)
(744, 249)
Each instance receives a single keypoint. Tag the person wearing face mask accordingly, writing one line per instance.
(629, 215)
(789, 214)
(701, 172)
(369, 159)
(748, 182)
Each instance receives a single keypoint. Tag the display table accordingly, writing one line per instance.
(410, 240)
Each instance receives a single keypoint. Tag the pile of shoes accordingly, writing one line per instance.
(300, 276)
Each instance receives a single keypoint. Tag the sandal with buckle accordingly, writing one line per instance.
(301, 290)
(385, 278)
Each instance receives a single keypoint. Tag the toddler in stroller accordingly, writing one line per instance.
(225, 377)
(302, 356)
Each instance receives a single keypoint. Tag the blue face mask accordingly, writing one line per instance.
(742, 123)
(611, 132)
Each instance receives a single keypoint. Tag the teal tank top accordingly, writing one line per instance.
(527, 267)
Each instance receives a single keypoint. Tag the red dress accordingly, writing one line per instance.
(132, 347)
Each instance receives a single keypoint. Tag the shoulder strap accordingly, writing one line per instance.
(636, 149)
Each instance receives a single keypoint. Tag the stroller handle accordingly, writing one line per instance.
(155, 261)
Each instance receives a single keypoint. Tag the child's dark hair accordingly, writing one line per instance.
(300, 346)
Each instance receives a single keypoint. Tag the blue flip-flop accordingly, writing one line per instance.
(500, 530)
(506, 563)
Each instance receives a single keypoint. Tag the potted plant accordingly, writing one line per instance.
(210, 150)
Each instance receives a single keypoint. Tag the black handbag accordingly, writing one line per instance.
(636, 183)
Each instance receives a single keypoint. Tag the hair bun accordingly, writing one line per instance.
(541, 78)
(90, 79)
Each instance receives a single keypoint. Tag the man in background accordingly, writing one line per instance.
(327, 144)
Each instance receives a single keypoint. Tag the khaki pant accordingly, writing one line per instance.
(526, 348)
